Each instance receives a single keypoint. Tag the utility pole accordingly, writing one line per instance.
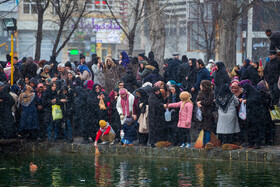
(249, 46)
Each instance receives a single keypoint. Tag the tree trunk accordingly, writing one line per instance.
(39, 36)
(157, 31)
(227, 33)
(131, 43)
(58, 36)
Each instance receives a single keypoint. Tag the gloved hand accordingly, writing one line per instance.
(121, 116)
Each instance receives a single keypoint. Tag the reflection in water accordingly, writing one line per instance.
(80, 170)
(102, 172)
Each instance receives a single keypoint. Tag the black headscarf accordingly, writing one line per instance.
(224, 97)
(143, 99)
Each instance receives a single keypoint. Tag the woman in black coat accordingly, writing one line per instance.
(142, 108)
(114, 117)
(191, 78)
(267, 131)
(66, 99)
(220, 76)
(172, 135)
(254, 106)
(156, 117)
(80, 112)
(252, 74)
(95, 111)
(7, 128)
(49, 98)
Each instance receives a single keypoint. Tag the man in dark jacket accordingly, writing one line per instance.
(172, 68)
(203, 74)
(274, 38)
(271, 76)
(183, 69)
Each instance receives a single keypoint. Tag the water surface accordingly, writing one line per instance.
(82, 170)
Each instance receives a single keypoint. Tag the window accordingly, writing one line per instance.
(100, 5)
(29, 6)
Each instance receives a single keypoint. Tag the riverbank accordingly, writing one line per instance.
(269, 154)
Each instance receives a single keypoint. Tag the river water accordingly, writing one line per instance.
(85, 170)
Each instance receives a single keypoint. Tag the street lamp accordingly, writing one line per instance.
(11, 25)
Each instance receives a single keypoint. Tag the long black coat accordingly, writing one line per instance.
(156, 119)
(7, 128)
(221, 77)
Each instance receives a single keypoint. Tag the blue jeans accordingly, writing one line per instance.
(68, 128)
(50, 127)
(207, 137)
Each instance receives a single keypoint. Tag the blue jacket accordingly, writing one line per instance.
(203, 74)
(130, 131)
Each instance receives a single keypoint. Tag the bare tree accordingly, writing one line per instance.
(157, 29)
(129, 27)
(40, 8)
(230, 13)
(204, 26)
(68, 11)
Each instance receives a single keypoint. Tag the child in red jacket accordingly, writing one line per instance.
(105, 133)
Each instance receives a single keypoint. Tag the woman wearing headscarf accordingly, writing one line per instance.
(66, 99)
(39, 104)
(156, 117)
(174, 97)
(80, 112)
(97, 69)
(7, 128)
(251, 73)
(124, 59)
(29, 123)
(84, 73)
(49, 98)
(125, 104)
(221, 77)
(114, 117)
(205, 101)
(227, 117)
(96, 110)
(142, 110)
(267, 132)
(88, 84)
(254, 120)
(191, 77)
(236, 90)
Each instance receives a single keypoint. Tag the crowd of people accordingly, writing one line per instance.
(121, 101)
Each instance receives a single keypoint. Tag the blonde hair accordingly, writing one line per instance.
(185, 98)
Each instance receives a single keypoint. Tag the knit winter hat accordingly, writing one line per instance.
(122, 91)
(102, 123)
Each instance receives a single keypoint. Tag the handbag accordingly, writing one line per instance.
(242, 111)
(102, 104)
(56, 112)
(199, 141)
(275, 114)
(198, 114)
